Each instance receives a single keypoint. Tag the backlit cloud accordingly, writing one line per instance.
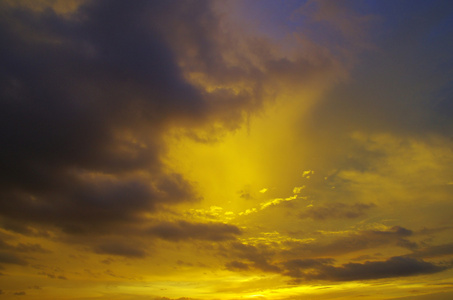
(225, 149)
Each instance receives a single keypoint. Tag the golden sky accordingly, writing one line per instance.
(226, 150)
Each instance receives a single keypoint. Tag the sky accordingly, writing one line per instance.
(280, 150)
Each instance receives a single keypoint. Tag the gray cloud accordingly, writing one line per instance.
(83, 109)
(285, 258)
(397, 266)
(433, 251)
(184, 230)
(11, 258)
(121, 248)
(401, 87)
(87, 99)
(367, 239)
(294, 268)
(317, 265)
(236, 266)
(15, 254)
(336, 210)
(256, 256)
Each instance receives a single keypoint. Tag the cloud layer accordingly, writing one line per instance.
(225, 149)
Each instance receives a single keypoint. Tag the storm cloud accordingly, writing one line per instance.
(88, 96)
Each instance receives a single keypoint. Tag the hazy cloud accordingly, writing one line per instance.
(434, 251)
(397, 266)
(184, 230)
(10, 258)
(236, 266)
(123, 248)
(353, 242)
(87, 101)
(336, 210)
(258, 256)
(99, 101)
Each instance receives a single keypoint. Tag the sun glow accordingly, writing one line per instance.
(277, 150)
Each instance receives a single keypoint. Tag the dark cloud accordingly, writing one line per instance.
(86, 101)
(433, 251)
(317, 265)
(402, 87)
(121, 248)
(36, 248)
(21, 247)
(236, 266)
(397, 266)
(53, 276)
(336, 210)
(258, 257)
(367, 239)
(84, 104)
(285, 257)
(14, 254)
(11, 258)
(294, 268)
(184, 230)
(88, 97)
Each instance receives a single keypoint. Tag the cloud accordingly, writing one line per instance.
(236, 266)
(259, 257)
(24, 248)
(434, 251)
(88, 99)
(318, 262)
(14, 254)
(53, 276)
(293, 268)
(184, 230)
(401, 88)
(121, 248)
(397, 266)
(284, 256)
(336, 210)
(11, 258)
(84, 107)
(351, 242)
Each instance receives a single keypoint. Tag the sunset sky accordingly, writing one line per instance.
(249, 149)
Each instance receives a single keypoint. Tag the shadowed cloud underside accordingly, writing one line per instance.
(226, 149)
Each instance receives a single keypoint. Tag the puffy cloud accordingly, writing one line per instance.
(89, 95)
(84, 104)
(95, 96)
